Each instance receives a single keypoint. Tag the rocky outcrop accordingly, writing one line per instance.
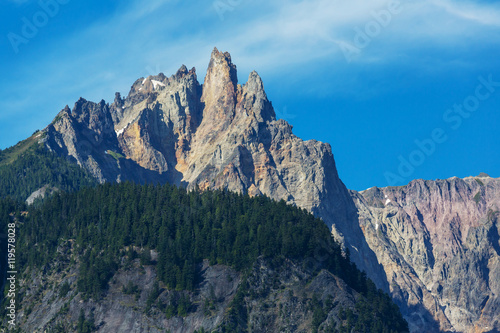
(283, 297)
(122, 311)
(439, 245)
(225, 135)
(220, 135)
(41, 193)
(84, 134)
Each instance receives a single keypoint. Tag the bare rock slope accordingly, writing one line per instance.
(286, 304)
(430, 246)
(439, 244)
(220, 135)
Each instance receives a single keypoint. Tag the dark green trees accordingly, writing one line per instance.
(110, 222)
(24, 170)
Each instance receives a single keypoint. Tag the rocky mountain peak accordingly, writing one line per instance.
(222, 60)
(219, 135)
(183, 71)
(118, 99)
(253, 97)
(66, 109)
(79, 107)
(95, 116)
(220, 70)
(254, 83)
(220, 89)
(429, 243)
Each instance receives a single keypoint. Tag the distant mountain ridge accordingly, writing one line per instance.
(439, 244)
(224, 135)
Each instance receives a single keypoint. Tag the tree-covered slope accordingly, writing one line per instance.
(97, 237)
(28, 167)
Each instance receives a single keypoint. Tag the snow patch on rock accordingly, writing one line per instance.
(157, 83)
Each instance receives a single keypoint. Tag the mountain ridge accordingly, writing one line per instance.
(224, 135)
(127, 257)
(442, 235)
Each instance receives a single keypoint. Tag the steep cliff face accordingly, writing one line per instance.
(439, 245)
(225, 135)
(219, 135)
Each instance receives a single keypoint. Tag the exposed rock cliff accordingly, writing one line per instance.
(439, 245)
(219, 135)
(226, 135)
(283, 298)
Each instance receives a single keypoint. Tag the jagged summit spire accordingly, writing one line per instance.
(254, 82)
(220, 62)
(184, 71)
(220, 87)
(254, 99)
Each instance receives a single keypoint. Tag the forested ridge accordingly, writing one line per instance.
(106, 222)
(28, 166)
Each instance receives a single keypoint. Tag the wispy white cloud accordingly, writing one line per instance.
(111, 53)
(153, 35)
(484, 14)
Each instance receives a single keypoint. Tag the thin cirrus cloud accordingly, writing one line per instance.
(304, 32)
(288, 34)
(484, 14)
(272, 37)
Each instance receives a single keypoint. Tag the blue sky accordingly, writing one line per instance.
(378, 80)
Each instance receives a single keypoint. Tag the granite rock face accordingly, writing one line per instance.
(430, 246)
(439, 244)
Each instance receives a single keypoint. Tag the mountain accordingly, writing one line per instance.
(224, 135)
(219, 135)
(132, 258)
(28, 171)
(439, 244)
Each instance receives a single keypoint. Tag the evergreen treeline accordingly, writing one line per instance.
(107, 221)
(23, 170)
